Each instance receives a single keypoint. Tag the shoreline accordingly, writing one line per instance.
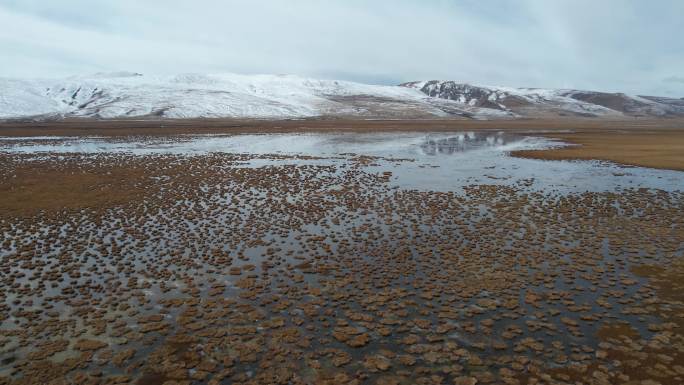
(127, 127)
(653, 143)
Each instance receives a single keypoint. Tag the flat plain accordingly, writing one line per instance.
(342, 252)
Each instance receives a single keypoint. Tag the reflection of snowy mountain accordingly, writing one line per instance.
(124, 95)
(466, 141)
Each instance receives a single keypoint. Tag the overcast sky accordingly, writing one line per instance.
(613, 45)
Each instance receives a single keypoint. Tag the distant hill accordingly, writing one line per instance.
(133, 95)
(537, 102)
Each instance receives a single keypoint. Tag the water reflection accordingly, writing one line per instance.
(317, 144)
(467, 141)
(440, 161)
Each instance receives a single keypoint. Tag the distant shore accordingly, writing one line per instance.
(655, 143)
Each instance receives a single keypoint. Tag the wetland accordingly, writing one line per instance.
(359, 257)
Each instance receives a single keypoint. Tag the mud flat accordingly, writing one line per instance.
(335, 258)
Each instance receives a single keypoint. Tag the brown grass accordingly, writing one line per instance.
(229, 126)
(663, 149)
(36, 187)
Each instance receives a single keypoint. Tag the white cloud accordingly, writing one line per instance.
(614, 45)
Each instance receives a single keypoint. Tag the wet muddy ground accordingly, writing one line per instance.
(409, 258)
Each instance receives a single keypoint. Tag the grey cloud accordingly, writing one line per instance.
(614, 45)
(674, 79)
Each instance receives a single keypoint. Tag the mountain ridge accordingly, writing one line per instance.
(581, 102)
(120, 95)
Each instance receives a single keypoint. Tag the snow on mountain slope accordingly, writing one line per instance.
(25, 98)
(539, 102)
(124, 94)
(518, 100)
(223, 95)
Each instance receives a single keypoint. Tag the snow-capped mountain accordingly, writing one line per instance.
(126, 95)
(539, 102)
(122, 95)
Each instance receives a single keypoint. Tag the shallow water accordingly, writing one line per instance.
(423, 161)
(263, 262)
